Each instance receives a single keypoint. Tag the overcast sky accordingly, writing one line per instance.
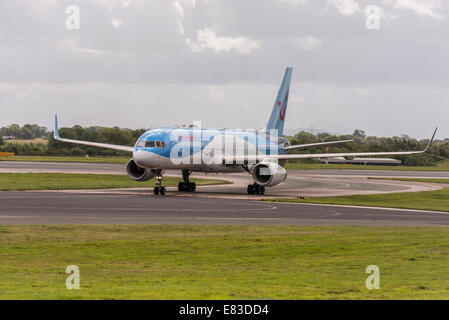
(136, 63)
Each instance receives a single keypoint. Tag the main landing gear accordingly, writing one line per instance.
(256, 189)
(186, 185)
(159, 189)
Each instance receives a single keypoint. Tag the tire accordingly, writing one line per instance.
(193, 186)
(162, 191)
(251, 189)
(258, 189)
(181, 186)
(156, 190)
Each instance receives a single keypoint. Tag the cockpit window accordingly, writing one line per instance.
(140, 143)
(155, 144)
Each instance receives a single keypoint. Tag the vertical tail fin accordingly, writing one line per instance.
(277, 117)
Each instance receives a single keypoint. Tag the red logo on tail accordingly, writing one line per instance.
(281, 115)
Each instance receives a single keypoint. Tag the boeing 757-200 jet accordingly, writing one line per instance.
(221, 151)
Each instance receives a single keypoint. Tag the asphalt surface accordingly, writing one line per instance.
(78, 208)
(224, 204)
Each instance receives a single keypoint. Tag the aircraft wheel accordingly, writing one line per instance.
(156, 190)
(162, 191)
(181, 186)
(192, 187)
(256, 189)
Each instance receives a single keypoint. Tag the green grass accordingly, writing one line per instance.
(442, 166)
(64, 181)
(425, 180)
(427, 200)
(23, 141)
(223, 262)
(67, 159)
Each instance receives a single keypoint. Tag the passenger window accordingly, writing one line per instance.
(158, 144)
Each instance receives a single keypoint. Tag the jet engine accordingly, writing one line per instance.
(138, 173)
(268, 174)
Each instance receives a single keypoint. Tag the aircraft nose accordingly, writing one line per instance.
(138, 157)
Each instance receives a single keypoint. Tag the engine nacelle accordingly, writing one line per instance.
(268, 174)
(138, 173)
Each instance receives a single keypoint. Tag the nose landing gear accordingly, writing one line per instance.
(186, 185)
(256, 189)
(159, 189)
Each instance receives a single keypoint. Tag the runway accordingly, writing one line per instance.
(104, 208)
(223, 204)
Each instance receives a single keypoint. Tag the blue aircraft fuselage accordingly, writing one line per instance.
(193, 148)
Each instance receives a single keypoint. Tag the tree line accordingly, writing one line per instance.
(113, 135)
(364, 143)
(28, 131)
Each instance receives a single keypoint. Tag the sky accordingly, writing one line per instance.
(141, 64)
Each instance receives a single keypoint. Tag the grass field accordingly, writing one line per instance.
(67, 159)
(425, 180)
(223, 262)
(427, 200)
(64, 181)
(21, 141)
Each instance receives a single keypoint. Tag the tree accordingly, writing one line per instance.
(359, 134)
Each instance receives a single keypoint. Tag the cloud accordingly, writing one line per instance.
(116, 23)
(307, 43)
(179, 9)
(421, 7)
(346, 7)
(72, 45)
(207, 40)
(4, 86)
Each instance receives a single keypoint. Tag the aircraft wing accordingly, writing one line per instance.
(299, 146)
(255, 158)
(88, 143)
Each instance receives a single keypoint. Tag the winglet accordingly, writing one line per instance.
(56, 133)
(431, 140)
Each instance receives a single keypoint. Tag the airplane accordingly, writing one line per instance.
(192, 149)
